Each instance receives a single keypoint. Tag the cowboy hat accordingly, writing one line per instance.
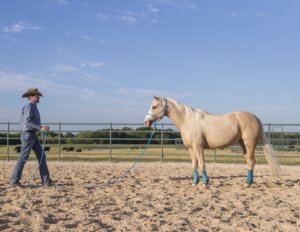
(32, 92)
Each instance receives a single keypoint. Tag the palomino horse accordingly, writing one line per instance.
(200, 130)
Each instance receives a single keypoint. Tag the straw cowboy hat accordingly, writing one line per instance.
(32, 92)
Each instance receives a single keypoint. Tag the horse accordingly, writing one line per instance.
(201, 130)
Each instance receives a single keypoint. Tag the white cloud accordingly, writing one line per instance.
(134, 92)
(97, 64)
(102, 16)
(180, 3)
(192, 6)
(151, 92)
(78, 68)
(65, 68)
(128, 19)
(153, 9)
(90, 77)
(9, 38)
(20, 27)
(20, 82)
(261, 15)
(234, 14)
(86, 37)
(92, 64)
(15, 81)
(87, 94)
(78, 102)
(62, 2)
(130, 16)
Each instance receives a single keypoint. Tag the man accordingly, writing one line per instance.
(30, 125)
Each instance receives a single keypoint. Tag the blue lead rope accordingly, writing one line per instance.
(44, 138)
(138, 159)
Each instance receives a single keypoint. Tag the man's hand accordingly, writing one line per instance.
(45, 128)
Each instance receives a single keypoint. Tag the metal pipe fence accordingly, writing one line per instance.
(124, 141)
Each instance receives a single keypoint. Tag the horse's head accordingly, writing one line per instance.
(158, 109)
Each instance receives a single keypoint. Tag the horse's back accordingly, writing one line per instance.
(228, 129)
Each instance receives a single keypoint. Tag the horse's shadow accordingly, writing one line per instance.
(291, 183)
(62, 185)
(177, 178)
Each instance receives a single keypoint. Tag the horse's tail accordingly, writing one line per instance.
(270, 155)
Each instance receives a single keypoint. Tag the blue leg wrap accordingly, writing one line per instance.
(249, 179)
(196, 177)
(205, 179)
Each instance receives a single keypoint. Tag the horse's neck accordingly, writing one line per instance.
(180, 113)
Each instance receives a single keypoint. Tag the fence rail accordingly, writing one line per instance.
(124, 141)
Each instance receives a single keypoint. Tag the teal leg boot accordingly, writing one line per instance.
(249, 179)
(196, 178)
(205, 178)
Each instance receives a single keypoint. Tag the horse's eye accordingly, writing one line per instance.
(154, 107)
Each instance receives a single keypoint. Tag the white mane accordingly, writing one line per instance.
(184, 108)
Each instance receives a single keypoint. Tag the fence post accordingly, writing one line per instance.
(7, 142)
(269, 131)
(59, 141)
(215, 155)
(297, 146)
(110, 142)
(162, 142)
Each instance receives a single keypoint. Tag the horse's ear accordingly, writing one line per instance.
(156, 98)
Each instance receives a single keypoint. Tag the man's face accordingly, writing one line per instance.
(34, 98)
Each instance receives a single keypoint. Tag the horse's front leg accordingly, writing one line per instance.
(199, 152)
(195, 166)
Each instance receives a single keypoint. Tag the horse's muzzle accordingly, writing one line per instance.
(148, 120)
(148, 123)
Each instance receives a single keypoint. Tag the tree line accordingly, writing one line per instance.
(126, 135)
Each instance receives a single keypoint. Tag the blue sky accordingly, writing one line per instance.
(101, 61)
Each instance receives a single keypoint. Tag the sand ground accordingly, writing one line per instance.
(153, 197)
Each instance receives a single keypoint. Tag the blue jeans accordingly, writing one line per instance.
(30, 142)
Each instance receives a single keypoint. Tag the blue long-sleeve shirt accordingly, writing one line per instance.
(30, 118)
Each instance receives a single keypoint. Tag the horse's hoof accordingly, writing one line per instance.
(204, 185)
(246, 185)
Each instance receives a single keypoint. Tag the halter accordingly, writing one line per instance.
(165, 110)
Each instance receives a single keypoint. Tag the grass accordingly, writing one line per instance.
(152, 154)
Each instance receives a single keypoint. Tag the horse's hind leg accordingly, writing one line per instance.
(241, 142)
(250, 149)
